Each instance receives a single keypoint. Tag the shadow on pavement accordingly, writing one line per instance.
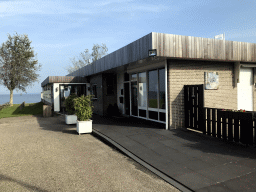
(187, 141)
(126, 121)
(213, 145)
(29, 187)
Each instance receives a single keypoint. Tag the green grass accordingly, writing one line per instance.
(153, 103)
(29, 109)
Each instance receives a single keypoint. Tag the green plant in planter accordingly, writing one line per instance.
(83, 107)
(69, 103)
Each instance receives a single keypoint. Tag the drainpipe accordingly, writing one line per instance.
(166, 97)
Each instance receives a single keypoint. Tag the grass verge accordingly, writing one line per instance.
(29, 109)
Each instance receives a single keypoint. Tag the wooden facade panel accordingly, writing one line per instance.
(161, 45)
(254, 49)
(170, 45)
(143, 43)
(203, 48)
(205, 55)
(251, 52)
(184, 40)
(235, 47)
(119, 62)
(158, 42)
(136, 50)
(242, 51)
(180, 46)
(154, 43)
(197, 46)
(166, 45)
(191, 47)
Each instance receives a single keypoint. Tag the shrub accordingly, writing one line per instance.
(83, 107)
(69, 103)
(4, 106)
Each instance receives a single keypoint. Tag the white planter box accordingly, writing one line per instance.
(70, 119)
(84, 126)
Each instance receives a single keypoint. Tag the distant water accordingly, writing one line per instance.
(18, 99)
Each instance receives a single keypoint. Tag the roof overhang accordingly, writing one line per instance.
(63, 79)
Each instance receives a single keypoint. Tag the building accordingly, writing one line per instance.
(152, 88)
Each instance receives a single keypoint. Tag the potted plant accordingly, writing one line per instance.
(70, 118)
(83, 110)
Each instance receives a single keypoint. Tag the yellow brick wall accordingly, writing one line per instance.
(182, 73)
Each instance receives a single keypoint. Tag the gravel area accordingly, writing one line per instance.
(45, 154)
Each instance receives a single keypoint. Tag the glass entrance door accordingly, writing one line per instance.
(134, 102)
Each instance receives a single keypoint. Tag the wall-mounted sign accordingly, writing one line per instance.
(211, 80)
(152, 52)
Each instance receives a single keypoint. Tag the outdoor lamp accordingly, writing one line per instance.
(152, 52)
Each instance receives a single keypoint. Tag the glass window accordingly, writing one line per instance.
(162, 88)
(134, 77)
(142, 113)
(142, 90)
(153, 115)
(67, 91)
(152, 89)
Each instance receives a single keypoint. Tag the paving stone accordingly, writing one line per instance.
(214, 159)
(197, 165)
(194, 180)
(248, 162)
(215, 188)
(243, 183)
(179, 157)
(225, 172)
(200, 162)
(170, 168)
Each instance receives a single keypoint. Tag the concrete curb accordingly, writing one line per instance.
(143, 163)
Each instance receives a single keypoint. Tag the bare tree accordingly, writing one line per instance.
(17, 64)
(98, 51)
(85, 58)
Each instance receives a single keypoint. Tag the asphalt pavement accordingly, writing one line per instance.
(188, 160)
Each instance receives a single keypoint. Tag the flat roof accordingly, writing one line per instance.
(63, 79)
(172, 46)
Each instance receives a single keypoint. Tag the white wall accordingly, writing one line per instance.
(56, 97)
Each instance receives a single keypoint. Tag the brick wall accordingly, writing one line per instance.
(182, 73)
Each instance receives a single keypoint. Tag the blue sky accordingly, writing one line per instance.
(60, 30)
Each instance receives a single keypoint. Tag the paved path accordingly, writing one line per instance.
(189, 160)
(44, 154)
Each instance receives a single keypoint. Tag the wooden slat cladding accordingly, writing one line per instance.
(176, 46)
(132, 52)
(179, 46)
(64, 79)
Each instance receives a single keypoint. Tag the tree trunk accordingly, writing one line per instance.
(11, 97)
